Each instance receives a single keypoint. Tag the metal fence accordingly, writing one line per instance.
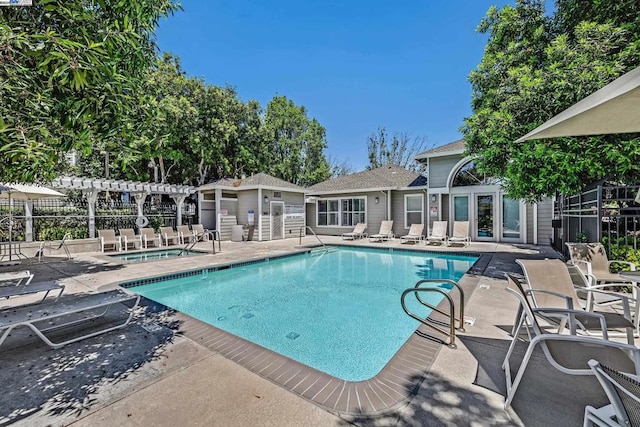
(607, 213)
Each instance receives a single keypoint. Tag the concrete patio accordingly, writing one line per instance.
(149, 373)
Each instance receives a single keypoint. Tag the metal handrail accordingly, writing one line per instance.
(416, 290)
(312, 232)
(212, 236)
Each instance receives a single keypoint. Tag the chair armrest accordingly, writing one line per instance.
(572, 314)
(623, 299)
(568, 299)
(632, 266)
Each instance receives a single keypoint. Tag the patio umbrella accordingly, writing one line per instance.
(613, 109)
(23, 192)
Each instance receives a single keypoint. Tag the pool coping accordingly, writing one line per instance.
(394, 385)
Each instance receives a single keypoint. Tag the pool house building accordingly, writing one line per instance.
(458, 192)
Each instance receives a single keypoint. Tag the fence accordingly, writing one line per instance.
(52, 218)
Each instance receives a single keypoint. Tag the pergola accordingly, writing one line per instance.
(91, 187)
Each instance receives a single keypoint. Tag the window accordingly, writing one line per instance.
(341, 212)
(413, 209)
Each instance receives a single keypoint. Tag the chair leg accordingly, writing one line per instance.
(512, 387)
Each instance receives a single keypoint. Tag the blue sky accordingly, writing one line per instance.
(355, 65)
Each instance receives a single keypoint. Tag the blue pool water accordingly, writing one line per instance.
(338, 312)
(153, 255)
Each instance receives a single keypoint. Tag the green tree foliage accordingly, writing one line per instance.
(399, 150)
(534, 67)
(69, 74)
(295, 144)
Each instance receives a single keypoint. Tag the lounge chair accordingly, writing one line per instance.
(592, 258)
(169, 236)
(108, 239)
(567, 353)
(414, 235)
(61, 313)
(19, 283)
(129, 239)
(186, 235)
(150, 238)
(357, 233)
(438, 233)
(623, 391)
(51, 246)
(385, 233)
(552, 287)
(199, 231)
(460, 233)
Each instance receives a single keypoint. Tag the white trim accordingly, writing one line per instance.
(250, 187)
(353, 191)
(455, 169)
(439, 154)
(406, 196)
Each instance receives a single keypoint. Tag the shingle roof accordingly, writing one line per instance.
(455, 146)
(385, 177)
(253, 181)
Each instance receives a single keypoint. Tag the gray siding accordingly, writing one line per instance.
(266, 227)
(230, 205)
(226, 222)
(247, 200)
(439, 170)
(545, 215)
(397, 211)
(376, 213)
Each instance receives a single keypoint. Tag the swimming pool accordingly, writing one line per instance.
(338, 311)
(153, 255)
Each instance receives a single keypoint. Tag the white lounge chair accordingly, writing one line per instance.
(357, 233)
(129, 239)
(46, 317)
(199, 231)
(567, 353)
(19, 283)
(414, 235)
(460, 233)
(186, 235)
(438, 233)
(108, 239)
(623, 391)
(150, 238)
(170, 236)
(385, 233)
(52, 246)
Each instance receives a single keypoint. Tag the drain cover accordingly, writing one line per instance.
(152, 327)
(247, 315)
(292, 335)
(469, 320)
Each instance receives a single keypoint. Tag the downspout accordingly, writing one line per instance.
(259, 212)
(388, 204)
(535, 225)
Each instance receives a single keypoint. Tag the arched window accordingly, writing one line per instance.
(469, 175)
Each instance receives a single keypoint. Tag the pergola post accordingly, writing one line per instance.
(218, 207)
(28, 221)
(92, 197)
(179, 200)
(140, 198)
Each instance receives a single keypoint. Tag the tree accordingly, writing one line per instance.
(400, 151)
(535, 66)
(340, 168)
(69, 72)
(295, 143)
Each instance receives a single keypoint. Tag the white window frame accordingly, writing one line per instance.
(406, 196)
(340, 211)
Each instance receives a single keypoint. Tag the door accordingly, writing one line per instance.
(277, 220)
(511, 220)
(485, 228)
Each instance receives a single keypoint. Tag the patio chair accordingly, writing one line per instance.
(438, 233)
(567, 353)
(61, 313)
(129, 239)
(623, 391)
(385, 233)
(108, 239)
(187, 236)
(199, 231)
(19, 283)
(51, 246)
(169, 236)
(592, 258)
(414, 235)
(150, 238)
(357, 233)
(551, 287)
(460, 233)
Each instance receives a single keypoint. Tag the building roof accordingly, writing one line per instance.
(387, 177)
(259, 180)
(455, 147)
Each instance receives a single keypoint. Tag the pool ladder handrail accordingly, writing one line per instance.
(436, 324)
(312, 232)
(212, 236)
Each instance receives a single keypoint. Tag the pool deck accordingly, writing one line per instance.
(158, 372)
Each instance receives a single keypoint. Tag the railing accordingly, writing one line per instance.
(433, 323)
(212, 236)
(312, 232)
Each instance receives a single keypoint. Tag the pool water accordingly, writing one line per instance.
(153, 255)
(337, 311)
